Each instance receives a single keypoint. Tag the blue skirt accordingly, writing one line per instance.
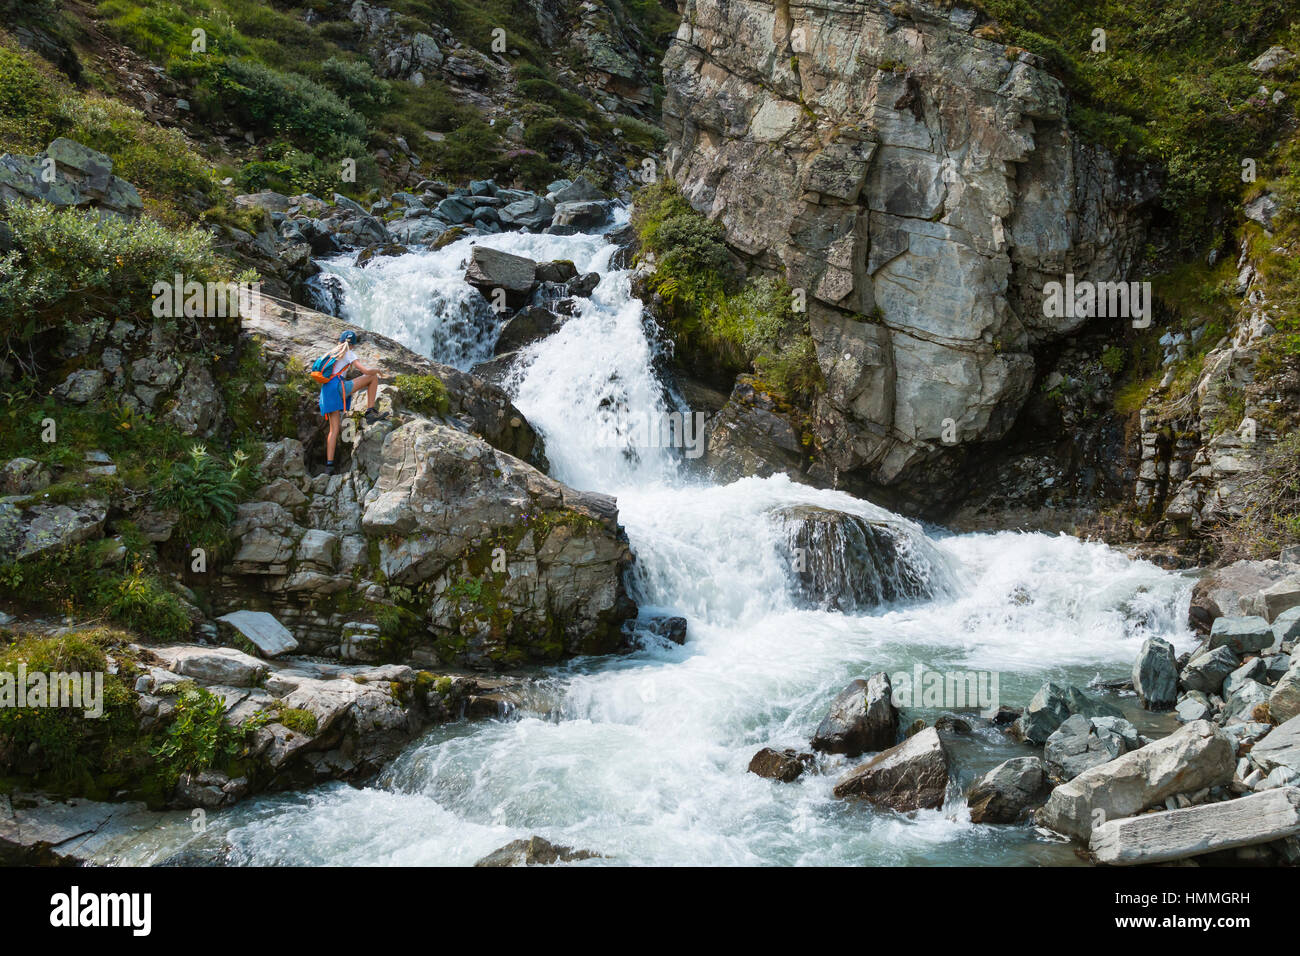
(336, 396)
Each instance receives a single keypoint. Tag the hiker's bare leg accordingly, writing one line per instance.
(332, 439)
(371, 382)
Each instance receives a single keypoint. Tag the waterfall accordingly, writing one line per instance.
(789, 593)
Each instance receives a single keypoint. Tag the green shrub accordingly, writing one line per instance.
(356, 82)
(28, 104)
(198, 738)
(205, 490)
(139, 602)
(270, 101)
(71, 263)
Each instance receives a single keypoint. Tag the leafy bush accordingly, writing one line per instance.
(356, 82)
(204, 490)
(269, 100)
(84, 581)
(139, 602)
(198, 738)
(28, 104)
(72, 262)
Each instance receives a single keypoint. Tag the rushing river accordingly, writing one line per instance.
(642, 758)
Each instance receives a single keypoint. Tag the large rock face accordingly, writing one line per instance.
(436, 543)
(921, 185)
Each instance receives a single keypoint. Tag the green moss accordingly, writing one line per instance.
(424, 394)
(60, 748)
(299, 721)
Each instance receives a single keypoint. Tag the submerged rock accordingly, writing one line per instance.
(534, 851)
(1052, 705)
(845, 562)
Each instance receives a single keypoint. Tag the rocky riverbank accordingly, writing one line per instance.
(1222, 788)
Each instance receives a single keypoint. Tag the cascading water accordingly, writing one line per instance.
(642, 758)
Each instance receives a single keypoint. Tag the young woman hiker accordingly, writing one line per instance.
(336, 394)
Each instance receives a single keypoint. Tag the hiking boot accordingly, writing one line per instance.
(329, 467)
(374, 415)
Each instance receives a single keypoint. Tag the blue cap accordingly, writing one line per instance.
(349, 336)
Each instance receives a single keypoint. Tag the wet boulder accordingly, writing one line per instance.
(491, 269)
(1007, 792)
(1081, 743)
(910, 776)
(1155, 674)
(785, 765)
(862, 718)
(1050, 707)
(526, 327)
(534, 851)
(844, 562)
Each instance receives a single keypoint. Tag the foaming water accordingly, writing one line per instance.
(642, 758)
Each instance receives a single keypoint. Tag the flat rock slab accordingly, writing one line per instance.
(1195, 756)
(1177, 834)
(267, 634)
(213, 665)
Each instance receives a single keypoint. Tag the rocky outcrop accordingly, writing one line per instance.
(1196, 756)
(922, 186)
(68, 175)
(437, 543)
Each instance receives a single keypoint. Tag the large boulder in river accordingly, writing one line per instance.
(1007, 792)
(1155, 674)
(1195, 756)
(911, 776)
(785, 765)
(526, 327)
(492, 269)
(846, 562)
(862, 718)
